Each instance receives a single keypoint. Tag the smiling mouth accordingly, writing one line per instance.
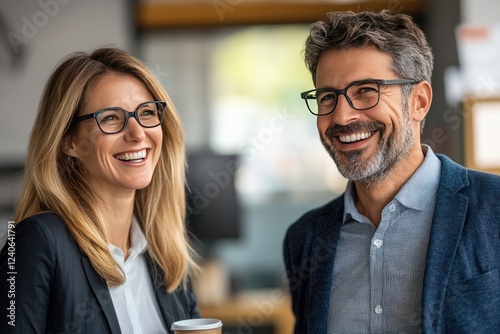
(132, 157)
(355, 137)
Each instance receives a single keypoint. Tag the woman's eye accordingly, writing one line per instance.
(109, 117)
(148, 113)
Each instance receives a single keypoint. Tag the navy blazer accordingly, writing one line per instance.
(58, 291)
(462, 275)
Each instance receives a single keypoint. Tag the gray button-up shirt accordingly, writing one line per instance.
(378, 272)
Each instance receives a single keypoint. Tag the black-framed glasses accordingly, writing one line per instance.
(361, 95)
(114, 119)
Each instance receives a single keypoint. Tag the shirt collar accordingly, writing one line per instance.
(138, 241)
(421, 188)
(350, 211)
(416, 193)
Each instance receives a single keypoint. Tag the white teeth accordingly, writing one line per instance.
(355, 137)
(132, 156)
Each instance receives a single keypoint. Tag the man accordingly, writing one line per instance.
(413, 245)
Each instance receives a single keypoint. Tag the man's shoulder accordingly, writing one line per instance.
(455, 174)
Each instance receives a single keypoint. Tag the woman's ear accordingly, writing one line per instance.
(422, 97)
(68, 146)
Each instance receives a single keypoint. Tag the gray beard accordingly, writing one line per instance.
(389, 153)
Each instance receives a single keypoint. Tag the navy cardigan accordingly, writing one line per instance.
(462, 275)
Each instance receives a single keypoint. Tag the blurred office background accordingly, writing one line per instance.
(234, 69)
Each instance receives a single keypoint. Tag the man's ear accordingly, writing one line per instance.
(68, 146)
(422, 99)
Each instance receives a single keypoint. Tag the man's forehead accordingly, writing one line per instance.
(339, 67)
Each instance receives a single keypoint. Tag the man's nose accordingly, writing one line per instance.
(344, 113)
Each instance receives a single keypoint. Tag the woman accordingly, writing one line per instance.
(101, 244)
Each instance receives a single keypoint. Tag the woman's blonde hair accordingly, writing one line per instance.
(53, 181)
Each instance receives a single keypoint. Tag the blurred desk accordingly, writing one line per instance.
(253, 309)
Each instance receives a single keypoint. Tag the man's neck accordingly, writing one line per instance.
(371, 198)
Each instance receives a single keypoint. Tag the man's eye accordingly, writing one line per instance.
(367, 89)
(326, 98)
(364, 89)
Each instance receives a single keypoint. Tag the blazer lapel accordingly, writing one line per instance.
(323, 247)
(166, 303)
(447, 223)
(102, 294)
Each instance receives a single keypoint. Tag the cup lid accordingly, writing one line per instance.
(193, 324)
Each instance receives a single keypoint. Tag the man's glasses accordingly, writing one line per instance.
(113, 120)
(361, 95)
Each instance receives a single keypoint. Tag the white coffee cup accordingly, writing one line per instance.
(198, 326)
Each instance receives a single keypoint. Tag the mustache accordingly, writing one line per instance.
(337, 130)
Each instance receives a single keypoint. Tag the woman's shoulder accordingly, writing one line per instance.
(43, 226)
(43, 220)
(46, 233)
(44, 216)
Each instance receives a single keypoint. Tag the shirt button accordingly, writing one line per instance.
(392, 207)
(378, 309)
(377, 243)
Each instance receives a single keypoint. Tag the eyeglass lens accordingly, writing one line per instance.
(113, 120)
(364, 95)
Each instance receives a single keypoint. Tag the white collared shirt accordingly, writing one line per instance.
(134, 301)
